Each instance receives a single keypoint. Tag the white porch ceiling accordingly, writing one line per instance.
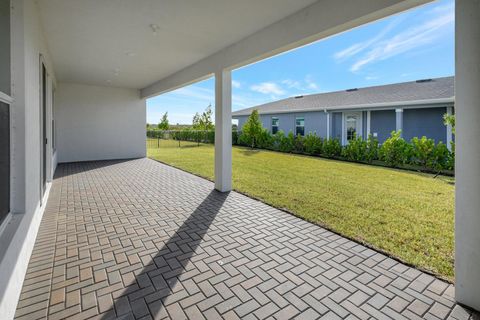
(111, 42)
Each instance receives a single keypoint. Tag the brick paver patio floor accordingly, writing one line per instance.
(140, 240)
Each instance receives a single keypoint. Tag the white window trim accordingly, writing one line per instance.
(302, 117)
(271, 123)
(344, 133)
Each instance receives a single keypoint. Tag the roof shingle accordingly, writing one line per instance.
(439, 88)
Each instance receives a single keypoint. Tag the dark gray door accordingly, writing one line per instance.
(4, 160)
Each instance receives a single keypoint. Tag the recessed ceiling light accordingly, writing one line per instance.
(109, 81)
(154, 28)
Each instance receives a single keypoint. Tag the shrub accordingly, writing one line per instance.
(451, 158)
(395, 151)
(298, 144)
(331, 148)
(440, 157)
(372, 149)
(264, 139)
(355, 150)
(287, 143)
(312, 144)
(235, 135)
(422, 151)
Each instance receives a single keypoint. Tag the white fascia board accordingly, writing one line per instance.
(317, 21)
(431, 103)
(5, 98)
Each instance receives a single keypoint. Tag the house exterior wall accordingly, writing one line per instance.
(337, 125)
(425, 122)
(382, 123)
(417, 122)
(98, 123)
(17, 239)
(314, 122)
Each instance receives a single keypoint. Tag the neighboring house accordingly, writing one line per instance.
(416, 108)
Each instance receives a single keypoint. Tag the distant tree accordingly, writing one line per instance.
(252, 129)
(196, 122)
(203, 121)
(206, 121)
(163, 125)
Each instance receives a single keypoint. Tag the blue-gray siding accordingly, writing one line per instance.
(336, 125)
(382, 123)
(416, 122)
(314, 122)
(424, 122)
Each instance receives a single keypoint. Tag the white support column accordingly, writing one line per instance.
(369, 119)
(328, 125)
(399, 120)
(449, 130)
(223, 130)
(467, 167)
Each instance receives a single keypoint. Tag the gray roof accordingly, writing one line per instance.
(415, 92)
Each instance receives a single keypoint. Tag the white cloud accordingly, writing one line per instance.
(236, 84)
(404, 41)
(361, 46)
(307, 84)
(380, 48)
(311, 84)
(268, 88)
(194, 92)
(292, 84)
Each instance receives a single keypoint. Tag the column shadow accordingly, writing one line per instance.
(158, 279)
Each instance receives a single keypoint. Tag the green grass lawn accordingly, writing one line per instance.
(407, 214)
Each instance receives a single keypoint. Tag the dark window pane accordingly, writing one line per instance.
(4, 160)
(300, 131)
(5, 46)
(274, 130)
(351, 133)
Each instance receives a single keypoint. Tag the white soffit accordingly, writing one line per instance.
(112, 42)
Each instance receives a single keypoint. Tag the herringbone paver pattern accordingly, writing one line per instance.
(139, 239)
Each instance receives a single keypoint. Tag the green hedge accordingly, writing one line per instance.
(419, 153)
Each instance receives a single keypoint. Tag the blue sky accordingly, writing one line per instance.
(416, 44)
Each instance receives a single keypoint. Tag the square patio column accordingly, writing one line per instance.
(467, 167)
(399, 120)
(223, 130)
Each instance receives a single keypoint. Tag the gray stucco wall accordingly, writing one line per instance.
(424, 122)
(383, 123)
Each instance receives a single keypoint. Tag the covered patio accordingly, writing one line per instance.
(139, 239)
(84, 234)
